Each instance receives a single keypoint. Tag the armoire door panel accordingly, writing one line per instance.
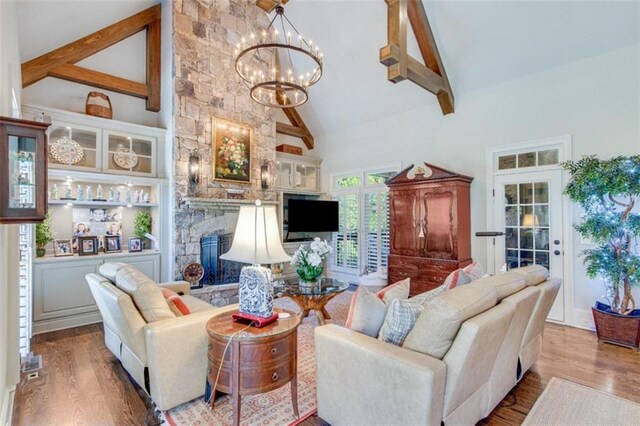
(404, 218)
(440, 219)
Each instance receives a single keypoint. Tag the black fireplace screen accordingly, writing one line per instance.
(216, 270)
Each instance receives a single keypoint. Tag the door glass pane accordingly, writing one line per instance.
(547, 157)
(542, 215)
(526, 238)
(526, 193)
(511, 194)
(542, 258)
(527, 159)
(541, 192)
(542, 239)
(511, 216)
(526, 258)
(512, 258)
(526, 216)
(512, 238)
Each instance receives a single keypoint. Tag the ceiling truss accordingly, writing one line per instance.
(430, 73)
(61, 62)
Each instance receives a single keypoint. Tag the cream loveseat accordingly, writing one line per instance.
(495, 326)
(166, 357)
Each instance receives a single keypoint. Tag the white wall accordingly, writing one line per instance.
(10, 83)
(595, 100)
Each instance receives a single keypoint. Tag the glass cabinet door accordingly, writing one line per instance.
(306, 177)
(74, 147)
(129, 154)
(23, 170)
(285, 173)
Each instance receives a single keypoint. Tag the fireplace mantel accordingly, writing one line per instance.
(220, 203)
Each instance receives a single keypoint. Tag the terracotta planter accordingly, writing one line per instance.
(623, 330)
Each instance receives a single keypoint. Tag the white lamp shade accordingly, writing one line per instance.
(257, 238)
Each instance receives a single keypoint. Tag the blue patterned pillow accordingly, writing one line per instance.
(401, 316)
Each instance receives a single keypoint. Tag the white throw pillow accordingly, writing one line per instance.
(458, 278)
(366, 313)
(399, 290)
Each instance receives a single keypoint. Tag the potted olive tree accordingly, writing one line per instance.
(607, 190)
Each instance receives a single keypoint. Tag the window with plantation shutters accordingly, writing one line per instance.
(376, 229)
(362, 242)
(346, 241)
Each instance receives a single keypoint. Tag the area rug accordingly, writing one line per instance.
(566, 403)
(271, 408)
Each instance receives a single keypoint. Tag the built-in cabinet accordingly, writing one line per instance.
(101, 174)
(297, 173)
(61, 295)
(429, 224)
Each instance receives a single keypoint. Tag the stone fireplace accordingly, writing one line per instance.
(206, 87)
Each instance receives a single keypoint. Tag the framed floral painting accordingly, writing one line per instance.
(232, 151)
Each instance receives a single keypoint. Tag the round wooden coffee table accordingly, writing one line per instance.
(313, 297)
(257, 360)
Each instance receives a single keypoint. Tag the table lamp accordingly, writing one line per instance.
(256, 241)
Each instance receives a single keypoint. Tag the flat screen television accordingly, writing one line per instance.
(312, 216)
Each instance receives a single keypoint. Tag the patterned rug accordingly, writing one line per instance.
(271, 408)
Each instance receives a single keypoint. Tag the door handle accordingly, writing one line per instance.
(556, 242)
(556, 252)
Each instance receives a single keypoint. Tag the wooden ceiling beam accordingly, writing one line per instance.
(429, 50)
(59, 62)
(89, 77)
(295, 119)
(289, 130)
(429, 75)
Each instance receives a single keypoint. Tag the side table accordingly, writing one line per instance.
(257, 360)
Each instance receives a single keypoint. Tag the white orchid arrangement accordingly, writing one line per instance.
(308, 260)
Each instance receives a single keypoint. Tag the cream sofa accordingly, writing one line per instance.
(497, 325)
(167, 357)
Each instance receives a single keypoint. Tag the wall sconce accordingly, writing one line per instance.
(194, 169)
(264, 175)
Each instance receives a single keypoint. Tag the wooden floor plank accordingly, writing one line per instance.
(83, 383)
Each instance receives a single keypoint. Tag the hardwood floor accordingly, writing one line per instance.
(82, 383)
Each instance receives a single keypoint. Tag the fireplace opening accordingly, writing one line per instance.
(218, 271)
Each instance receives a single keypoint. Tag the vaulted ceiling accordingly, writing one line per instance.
(482, 43)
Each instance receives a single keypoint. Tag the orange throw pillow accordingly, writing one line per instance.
(175, 302)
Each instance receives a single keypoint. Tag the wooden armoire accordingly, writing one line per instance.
(430, 225)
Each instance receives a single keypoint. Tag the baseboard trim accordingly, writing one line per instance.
(6, 413)
(583, 318)
(46, 326)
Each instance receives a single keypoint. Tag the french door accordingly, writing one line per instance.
(528, 208)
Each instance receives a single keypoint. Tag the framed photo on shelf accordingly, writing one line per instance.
(112, 244)
(63, 247)
(232, 151)
(135, 244)
(87, 246)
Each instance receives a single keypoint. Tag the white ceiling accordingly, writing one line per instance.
(482, 43)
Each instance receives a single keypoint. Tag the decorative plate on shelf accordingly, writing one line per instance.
(193, 272)
(125, 158)
(66, 151)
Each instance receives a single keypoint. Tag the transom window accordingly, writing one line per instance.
(544, 157)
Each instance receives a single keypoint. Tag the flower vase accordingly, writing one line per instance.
(308, 284)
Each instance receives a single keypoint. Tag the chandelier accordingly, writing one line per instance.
(279, 65)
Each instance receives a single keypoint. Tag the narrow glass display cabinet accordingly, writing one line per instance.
(23, 171)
